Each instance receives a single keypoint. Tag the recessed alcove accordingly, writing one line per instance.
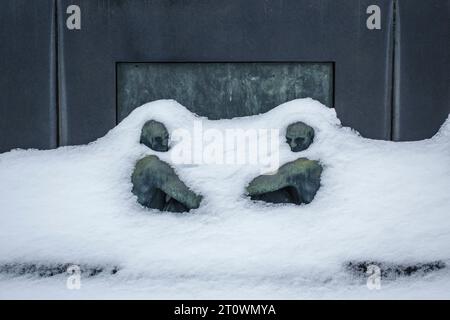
(223, 90)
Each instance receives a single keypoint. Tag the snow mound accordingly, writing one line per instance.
(379, 201)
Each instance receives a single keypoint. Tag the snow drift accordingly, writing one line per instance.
(379, 201)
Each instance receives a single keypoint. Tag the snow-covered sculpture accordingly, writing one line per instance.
(155, 183)
(295, 182)
(299, 136)
(155, 136)
(157, 186)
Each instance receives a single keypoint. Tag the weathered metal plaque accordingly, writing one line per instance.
(222, 90)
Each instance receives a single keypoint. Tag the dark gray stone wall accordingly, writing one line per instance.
(59, 86)
(222, 90)
(422, 60)
(223, 31)
(28, 115)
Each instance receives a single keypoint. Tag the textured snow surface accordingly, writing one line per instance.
(379, 201)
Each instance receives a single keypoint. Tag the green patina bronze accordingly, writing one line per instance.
(155, 136)
(157, 186)
(295, 182)
(299, 136)
(223, 90)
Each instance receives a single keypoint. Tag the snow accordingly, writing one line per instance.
(379, 201)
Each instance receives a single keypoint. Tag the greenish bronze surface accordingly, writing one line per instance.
(222, 90)
(157, 186)
(155, 136)
(295, 182)
(299, 136)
